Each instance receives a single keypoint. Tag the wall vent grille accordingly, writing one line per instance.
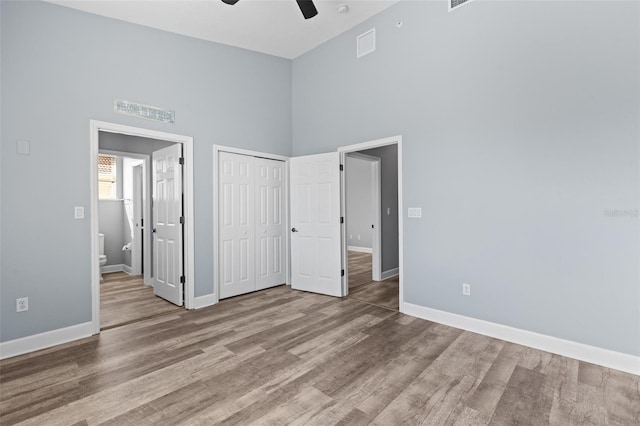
(454, 4)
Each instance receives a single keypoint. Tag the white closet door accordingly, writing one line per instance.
(236, 225)
(270, 222)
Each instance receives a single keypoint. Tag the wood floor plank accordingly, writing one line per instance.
(362, 287)
(286, 357)
(124, 299)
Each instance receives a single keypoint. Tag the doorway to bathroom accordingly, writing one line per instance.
(141, 223)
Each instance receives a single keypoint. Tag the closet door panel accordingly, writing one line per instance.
(236, 224)
(270, 224)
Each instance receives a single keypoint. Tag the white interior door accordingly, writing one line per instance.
(236, 263)
(167, 226)
(315, 219)
(270, 222)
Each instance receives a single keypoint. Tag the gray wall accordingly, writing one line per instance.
(111, 221)
(389, 237)
(111, 224)
(520, 136)
(61, 68)
(359, 200)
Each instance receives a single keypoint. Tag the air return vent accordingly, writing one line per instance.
(366, 43)
(454, 4)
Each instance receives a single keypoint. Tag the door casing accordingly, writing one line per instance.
(344, 150)
(95, 127)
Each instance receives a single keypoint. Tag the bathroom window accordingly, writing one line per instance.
(106, 177)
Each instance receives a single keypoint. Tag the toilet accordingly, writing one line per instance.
(102, 257)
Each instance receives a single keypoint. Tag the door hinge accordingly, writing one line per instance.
(182, 279)
(342, 219)
(182, 220)
(341, 168)
(342, 273)
(181, 161)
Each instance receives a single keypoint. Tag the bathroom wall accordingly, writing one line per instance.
(127, 193)
(111, 221)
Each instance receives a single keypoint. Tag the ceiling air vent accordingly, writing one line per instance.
(366, 43)
(454, 4)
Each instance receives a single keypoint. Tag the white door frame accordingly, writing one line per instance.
(138, 198)
(146, 203)
(95, 127)
(343, 150)
(376, 252)
(216, 150)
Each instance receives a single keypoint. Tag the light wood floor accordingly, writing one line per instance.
(124, 299)
(362, 287)
(286, 357)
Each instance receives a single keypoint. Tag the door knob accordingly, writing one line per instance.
(294, 230)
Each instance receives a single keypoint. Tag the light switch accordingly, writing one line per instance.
(415, 212)
(78, 212)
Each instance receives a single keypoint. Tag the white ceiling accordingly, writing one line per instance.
(275, 27)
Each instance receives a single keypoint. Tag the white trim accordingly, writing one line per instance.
(127, 269)
(204, 301)
(568, 348)
(44, 340)
(393, 140)
(95, 127)
(119, 267)
(360, 249)
(216, 151)
(389, 273)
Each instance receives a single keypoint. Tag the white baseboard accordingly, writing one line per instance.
(360, 249)
(107, 269)
(580, 351)
(127, 269)
(204, 301)
(44, 340)
(385, 275)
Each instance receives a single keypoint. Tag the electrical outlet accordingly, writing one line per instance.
(22, 304)
(466, 289)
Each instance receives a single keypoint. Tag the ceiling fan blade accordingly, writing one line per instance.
(307, 8)
(231, 2)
